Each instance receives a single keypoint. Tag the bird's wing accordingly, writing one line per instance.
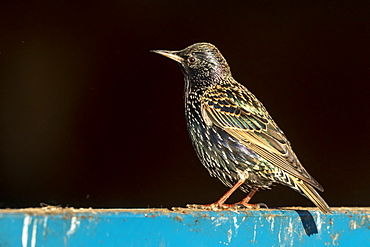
(240, 114)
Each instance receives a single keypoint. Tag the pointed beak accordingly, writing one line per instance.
(169, 54)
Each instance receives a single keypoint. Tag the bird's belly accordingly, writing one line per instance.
(227, 158)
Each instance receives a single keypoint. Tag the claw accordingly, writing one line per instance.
(261, 204)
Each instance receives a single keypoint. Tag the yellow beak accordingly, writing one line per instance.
(169, 54)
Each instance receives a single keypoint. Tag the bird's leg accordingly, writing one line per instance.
(220, 203)
(222, 200)
(245, 201)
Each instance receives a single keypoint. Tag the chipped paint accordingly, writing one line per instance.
(271, 220)
(229, 235)
(254, 239)
(318, 221)
(237, 224)
(26, 223)
(353, 225)
(335, 238)
(34, 233)
(179, 219)
(264, 227)
(75, 223)
(365, 220)
(219, 220)
(44, 225)
(290, 231)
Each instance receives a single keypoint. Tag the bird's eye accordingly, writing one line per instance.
(191, 59)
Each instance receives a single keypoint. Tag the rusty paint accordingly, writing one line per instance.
(178, 218)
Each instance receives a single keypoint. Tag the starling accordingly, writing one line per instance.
(232, 133)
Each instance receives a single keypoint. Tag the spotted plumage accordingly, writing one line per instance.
(234, 136)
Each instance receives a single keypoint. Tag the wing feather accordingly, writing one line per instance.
(249, 122)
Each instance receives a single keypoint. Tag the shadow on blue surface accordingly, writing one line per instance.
(308, 222)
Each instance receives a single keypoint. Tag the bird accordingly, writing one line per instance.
(234, 136)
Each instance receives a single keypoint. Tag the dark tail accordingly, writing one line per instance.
(312, 194)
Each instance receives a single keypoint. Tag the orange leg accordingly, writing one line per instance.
(220, 203)
(222, 200)
(246, 199)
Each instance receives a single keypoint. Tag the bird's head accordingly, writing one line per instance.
(200, 61)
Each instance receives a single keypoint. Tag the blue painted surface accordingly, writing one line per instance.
(155, 227)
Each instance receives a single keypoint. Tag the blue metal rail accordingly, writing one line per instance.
(52, 226)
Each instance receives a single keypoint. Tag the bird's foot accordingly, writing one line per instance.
(248, 205)
(218, 206)
(213, 206)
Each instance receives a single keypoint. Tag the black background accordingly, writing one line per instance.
(90, 118)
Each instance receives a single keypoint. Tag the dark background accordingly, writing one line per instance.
(90, 118)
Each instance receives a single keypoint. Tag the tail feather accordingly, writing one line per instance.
(312, 194)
